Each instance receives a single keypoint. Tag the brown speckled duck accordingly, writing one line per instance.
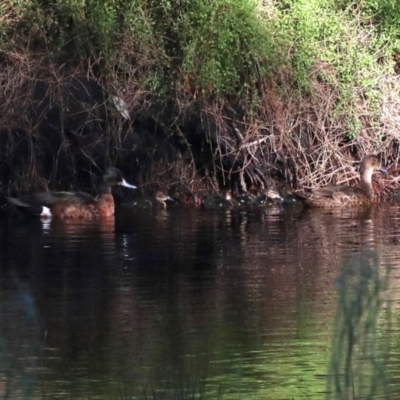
(269, 197)
(145, 203)
(342, 195)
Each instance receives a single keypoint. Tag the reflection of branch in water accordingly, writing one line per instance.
(358, 368)
(20, 343)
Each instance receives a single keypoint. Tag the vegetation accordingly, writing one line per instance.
(243, 93)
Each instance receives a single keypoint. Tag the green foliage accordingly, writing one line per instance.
(382, 14)
(67, 28)
(198, 46)
(224, 46)
(308, 25)
(335, 34)
(208, 47)
(187, 50)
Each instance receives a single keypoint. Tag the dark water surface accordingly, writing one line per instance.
(181, 303)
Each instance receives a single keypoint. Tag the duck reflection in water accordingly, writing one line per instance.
(343, 195)
(74, 205)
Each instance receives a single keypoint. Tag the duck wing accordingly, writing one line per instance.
(28, 206)
(337, 191)
(50, 198)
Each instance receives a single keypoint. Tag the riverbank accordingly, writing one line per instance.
(220, 93)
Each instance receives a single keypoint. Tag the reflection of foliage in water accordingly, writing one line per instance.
(19, 344)
(358, 359)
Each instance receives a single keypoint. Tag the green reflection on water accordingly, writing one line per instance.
(358, 367)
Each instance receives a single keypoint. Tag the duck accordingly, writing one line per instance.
(74, 205)
(158, 200)
(269, 197)
(289, 197)
(342, 195)
(222, 201)
(244, 199)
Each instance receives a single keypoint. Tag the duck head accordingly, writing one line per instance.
(161, 197)
(113, 177)
(369, 165)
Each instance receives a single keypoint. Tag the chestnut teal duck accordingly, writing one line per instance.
(74, 205)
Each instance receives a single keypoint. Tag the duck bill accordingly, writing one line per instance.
(126, 184)
(383, 170)
(169, 198)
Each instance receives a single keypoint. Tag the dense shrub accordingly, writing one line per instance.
(317, 76)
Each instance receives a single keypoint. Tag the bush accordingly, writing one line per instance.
(295, 83)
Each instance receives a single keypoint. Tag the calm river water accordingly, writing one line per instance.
(188, 304)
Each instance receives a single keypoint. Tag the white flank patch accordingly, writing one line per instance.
(45, 212)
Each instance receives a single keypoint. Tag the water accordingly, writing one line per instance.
(182, 303)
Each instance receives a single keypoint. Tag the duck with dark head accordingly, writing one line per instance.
(74, 205)
(343, 195)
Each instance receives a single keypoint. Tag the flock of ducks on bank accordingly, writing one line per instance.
(80, 205)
